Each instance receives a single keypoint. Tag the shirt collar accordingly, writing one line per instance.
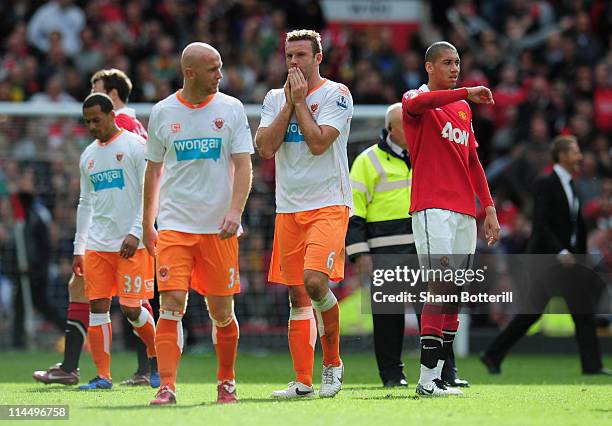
(563, 174)
(394, 147)
(424, 88)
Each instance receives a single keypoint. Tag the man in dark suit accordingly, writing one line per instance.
(558, 229)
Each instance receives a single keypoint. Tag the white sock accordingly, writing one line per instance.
(142, 319)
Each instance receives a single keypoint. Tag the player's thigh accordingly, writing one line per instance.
(324, 240)
(135, 277)
(464, 244)
(99, 274)
(215, 270)
(76, 289)
(433, 236)
(287, 262)
(175, 259)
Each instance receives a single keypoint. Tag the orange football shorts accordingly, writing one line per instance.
(312, 239)
(107, 274)
(205, 261)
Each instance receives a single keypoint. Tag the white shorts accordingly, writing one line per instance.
(444, 238)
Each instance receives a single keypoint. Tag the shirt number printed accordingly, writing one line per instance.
(455, 135)
(331, 259)
(232, 273)
(132, 287)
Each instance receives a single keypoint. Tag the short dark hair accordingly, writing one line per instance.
(561, 144)
(113, 78)
(101, 99)
(312, 36)
(433, 51)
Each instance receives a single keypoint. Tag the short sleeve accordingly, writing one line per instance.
(337, 109)
(155, 144)
(268, 110)
(242, 140)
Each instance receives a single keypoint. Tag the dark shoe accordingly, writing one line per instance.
(602, 372)
(456, 383)
(55, 374)
(396, 383)
(137, 380)
(492, 366)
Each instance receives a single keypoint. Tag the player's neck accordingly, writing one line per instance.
(194, 96)
(111, 135)
(315, 81)
(432, 86)
(117, 105)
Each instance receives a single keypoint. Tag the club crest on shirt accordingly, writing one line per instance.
(119, 157)
(313, 108)
(463, 115)
(163, 273)
(175, 127)
(90, 164)
(218, 122)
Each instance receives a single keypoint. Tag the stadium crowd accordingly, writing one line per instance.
(549, 65)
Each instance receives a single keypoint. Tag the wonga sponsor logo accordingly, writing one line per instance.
(198, 149)
(107, 179)
(294, 134)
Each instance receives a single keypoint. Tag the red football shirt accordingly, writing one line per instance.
(126, 118)
(439, 141)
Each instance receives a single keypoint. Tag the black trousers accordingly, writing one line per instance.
(38, 287)
(388, 344)
(580, 288)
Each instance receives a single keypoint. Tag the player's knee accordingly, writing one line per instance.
(298, 297)
(129, 310)
(99, 306)
(173, 301)
(221, 317)
(315, 284)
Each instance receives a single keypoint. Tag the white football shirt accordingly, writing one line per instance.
(305, 181)
(195, 143)
(110, 205)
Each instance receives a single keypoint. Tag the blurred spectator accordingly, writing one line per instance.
(61, 16)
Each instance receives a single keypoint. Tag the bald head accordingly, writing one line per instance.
(196, 53)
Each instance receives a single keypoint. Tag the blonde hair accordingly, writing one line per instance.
(310, 35)
(561, 143)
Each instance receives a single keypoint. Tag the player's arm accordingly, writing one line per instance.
(84, 216)
(269, 139)
(481, 187)
(416, 103)
(152, 182)
(243, 176)
(318, 138)
(130, 243)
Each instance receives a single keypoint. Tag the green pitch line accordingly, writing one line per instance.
(534, 390)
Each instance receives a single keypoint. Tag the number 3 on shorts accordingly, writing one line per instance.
(232, 272)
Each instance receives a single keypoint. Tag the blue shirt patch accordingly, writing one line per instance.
(107, 179)
(342, 102)
(294, 134)
(198, 149)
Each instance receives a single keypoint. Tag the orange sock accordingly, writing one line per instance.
(225, 339)
(100, 335)
(302, 339)
(328, 322)
(144, 327)
(169, 345)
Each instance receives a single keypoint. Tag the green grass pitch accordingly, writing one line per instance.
(533, 390)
